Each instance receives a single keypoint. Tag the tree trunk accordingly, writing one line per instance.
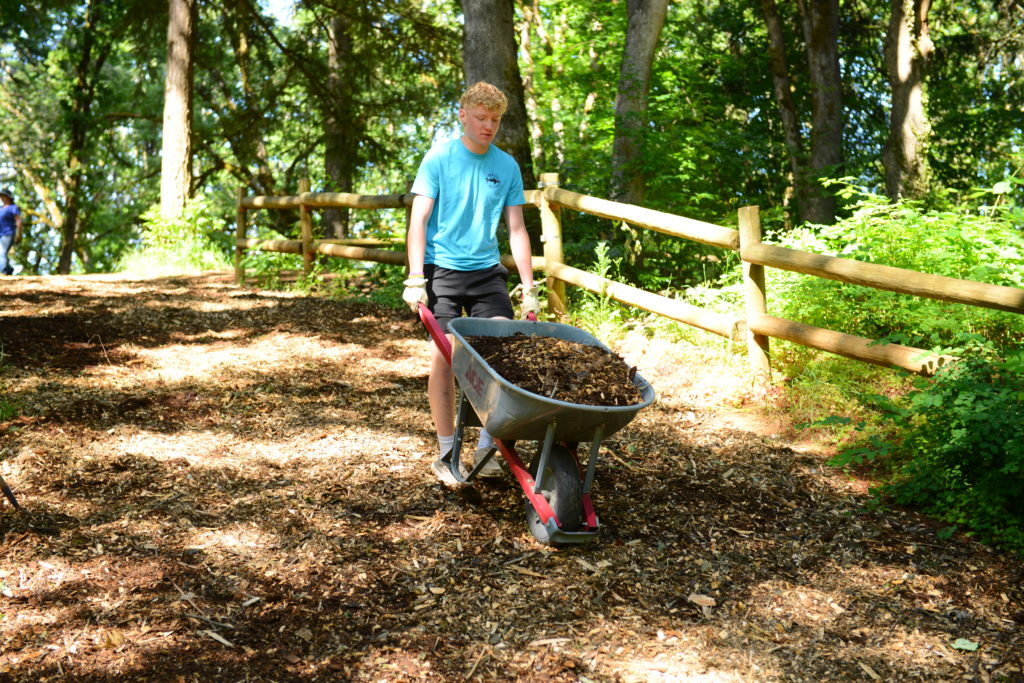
(908, 47)
(339, 143)
(489, 54)
(825, 155)
(821, 33)
(176, 162)
(783, 88)
(69, 230)
(532, 22)
(78, 123)
(250, 146)
(646, 19)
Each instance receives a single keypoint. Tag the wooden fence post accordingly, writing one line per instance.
(306, 226)
(754, 292)
(240, 229)
(551, 237)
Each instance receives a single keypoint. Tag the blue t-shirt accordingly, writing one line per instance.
(470, 192)
(8, 222)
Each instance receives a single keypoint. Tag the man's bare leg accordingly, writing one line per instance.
(441, 392)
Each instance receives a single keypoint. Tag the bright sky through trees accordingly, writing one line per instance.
(282, 10)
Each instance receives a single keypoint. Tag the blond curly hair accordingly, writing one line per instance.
(484, 94)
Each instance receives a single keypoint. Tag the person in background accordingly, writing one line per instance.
(10, 229)
(462, 189)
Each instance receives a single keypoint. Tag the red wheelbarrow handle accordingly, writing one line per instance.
(439, 337)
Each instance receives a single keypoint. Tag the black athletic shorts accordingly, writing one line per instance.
(477, 293)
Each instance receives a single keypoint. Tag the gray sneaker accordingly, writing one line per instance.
(493, 469)
(441, 469)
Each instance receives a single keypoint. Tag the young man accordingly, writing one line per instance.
(462, 189)
(10, 230)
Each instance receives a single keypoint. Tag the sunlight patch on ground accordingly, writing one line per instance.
(238, 538)
(195, 447)
(360, 441)
(681, 383)
(203, 337)
(272, 352)
(792, 611)
(271, 451)
(678, 669)
(791, 605)
(420, 527)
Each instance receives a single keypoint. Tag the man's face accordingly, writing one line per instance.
(479, 126)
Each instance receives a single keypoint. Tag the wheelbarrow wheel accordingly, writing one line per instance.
(561, 485)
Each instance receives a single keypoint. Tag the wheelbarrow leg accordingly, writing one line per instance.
(10, 494)
(595, 446)
(466, 416)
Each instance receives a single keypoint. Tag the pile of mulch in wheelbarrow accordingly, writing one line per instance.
(560, 369)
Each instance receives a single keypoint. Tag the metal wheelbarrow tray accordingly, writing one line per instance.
(557, 490)
(510, 412)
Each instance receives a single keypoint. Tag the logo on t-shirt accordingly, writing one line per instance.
(493, 179)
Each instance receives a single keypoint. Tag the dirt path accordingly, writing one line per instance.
(226, 484)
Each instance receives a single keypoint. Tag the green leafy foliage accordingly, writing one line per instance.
(81, 100)
(8, 409)
(603, 316)
(954, 242)
(956, 445)
(951, 445)
(186, 243)
(340, 278)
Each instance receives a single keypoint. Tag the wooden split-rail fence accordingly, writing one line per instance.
(755, 328)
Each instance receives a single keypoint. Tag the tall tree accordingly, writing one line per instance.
(821, 34)
(490, 53)
(975, 93)
(81, 99)
(646, 19)
(342, 73)
(87, 64)
(908, 48)
(176, 165)
(360, 93)
(824, 155)
(242, 105)
(788, 112)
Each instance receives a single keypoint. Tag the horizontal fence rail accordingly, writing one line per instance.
(858, 348)
(327, 200)
(756, 328)
(659, 221)
(710, 321)
(888, 278)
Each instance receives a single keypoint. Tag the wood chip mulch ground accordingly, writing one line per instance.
(221, 483)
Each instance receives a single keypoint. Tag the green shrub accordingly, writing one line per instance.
(951, 445)
(599, 313)
(957, 444)
(960, 244)
(187, 243)
(376, 283)
(9, 409)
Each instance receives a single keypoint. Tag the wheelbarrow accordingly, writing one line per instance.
(558, 506)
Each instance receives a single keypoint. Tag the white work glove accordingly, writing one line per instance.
(415, 292)
(530, 302)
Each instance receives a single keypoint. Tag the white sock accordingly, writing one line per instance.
(486, 440)
(445, 443)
